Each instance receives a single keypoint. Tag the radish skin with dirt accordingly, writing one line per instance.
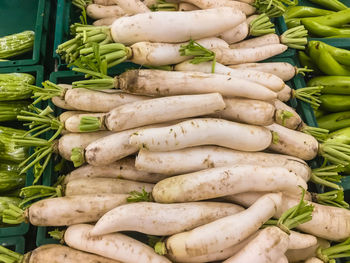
(114, 246)
(220, 234)
(175, 27)
(158, 110)
(122, 169)
(161, 54)
(71, 210)
(255, 112)
(222, 181)
(104, 186)
(96, 11)
(155, 219)
(167, 83)
(59, 253)
(284, 70)
(266, 79)
(206, 131)
(203, 157)
(246, 8)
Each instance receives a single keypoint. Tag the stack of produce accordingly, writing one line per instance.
(15, 90)
(332, 21)
(16, 44)
(200, 157)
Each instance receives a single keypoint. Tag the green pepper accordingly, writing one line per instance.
(306, 61)
(334, 121)
(305, 11)
(319, 113)
(339, 54)
(325, 61)
(336, 19)
(330, 4)
(293, 22)
(332, 84)
(335, 103)
(320, 30)
(340, 136)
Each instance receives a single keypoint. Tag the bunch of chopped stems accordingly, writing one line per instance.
(273, 8)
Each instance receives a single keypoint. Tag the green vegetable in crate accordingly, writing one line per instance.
(307, 62)
(10, 110)
(9, 149)
(335, 5)
(10, 178)
(305, 11)
(335, 103)
(332, 84)
(328, 25)
(328, 59)
(334, 121)
(16, 78)
(16, 44)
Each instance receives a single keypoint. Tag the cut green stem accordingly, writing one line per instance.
(143, 196)
(328, 176)
(261, 26)
(77, 156)
(337, 251)
(332, 198)
(91, 124)
(309, 95)
(9, 256)
(295, 37)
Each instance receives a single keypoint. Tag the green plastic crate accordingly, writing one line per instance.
(337, 42)
(36, 71)
(16, 244)
(21, 15)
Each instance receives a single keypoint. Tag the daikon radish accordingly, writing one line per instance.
(203, 157)
(54, 253)
(255, 112)
(246, 8)
(114, 246)
(162, 219)
(296, 255)
(96, 11)
(107, 21)
(269, 39)
(132, 7)
(247, 55)
(222, 181)
(268, 80)
(187, 7)
(104, 186)
(122, 169)
(153, 111)
(204, 131)
(219, 234)
(175, 27)
(284, 70)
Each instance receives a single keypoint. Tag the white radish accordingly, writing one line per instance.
(59, 253)
(162, 219)
(236, 34)
(314, 260)
(106, 21)
(74, 140)
(203, 157)
(291, 122)
(331, 223)
(166, 83)
(266, 79)
(265, 40)
(104, 2)
(204, 4)
(285, 94)
(85, 186)
(100, 11)
(71, 210)
(132, 7)
(220, 234)
(300, 241)
(72, 124)
(282, 259)
(175, 27)
(60, 102)
(222, 181)
(160, 54)
(294, 143)
(204, 131)
(122, 169)
(67, 114)
(268, 246)
(114, 246)
(187, 7)
(296, 255)
(255, 112)
(158, 110)
(246, 55)
(284, 70)
(85, 99)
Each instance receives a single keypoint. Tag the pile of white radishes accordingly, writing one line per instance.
(200, 160)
